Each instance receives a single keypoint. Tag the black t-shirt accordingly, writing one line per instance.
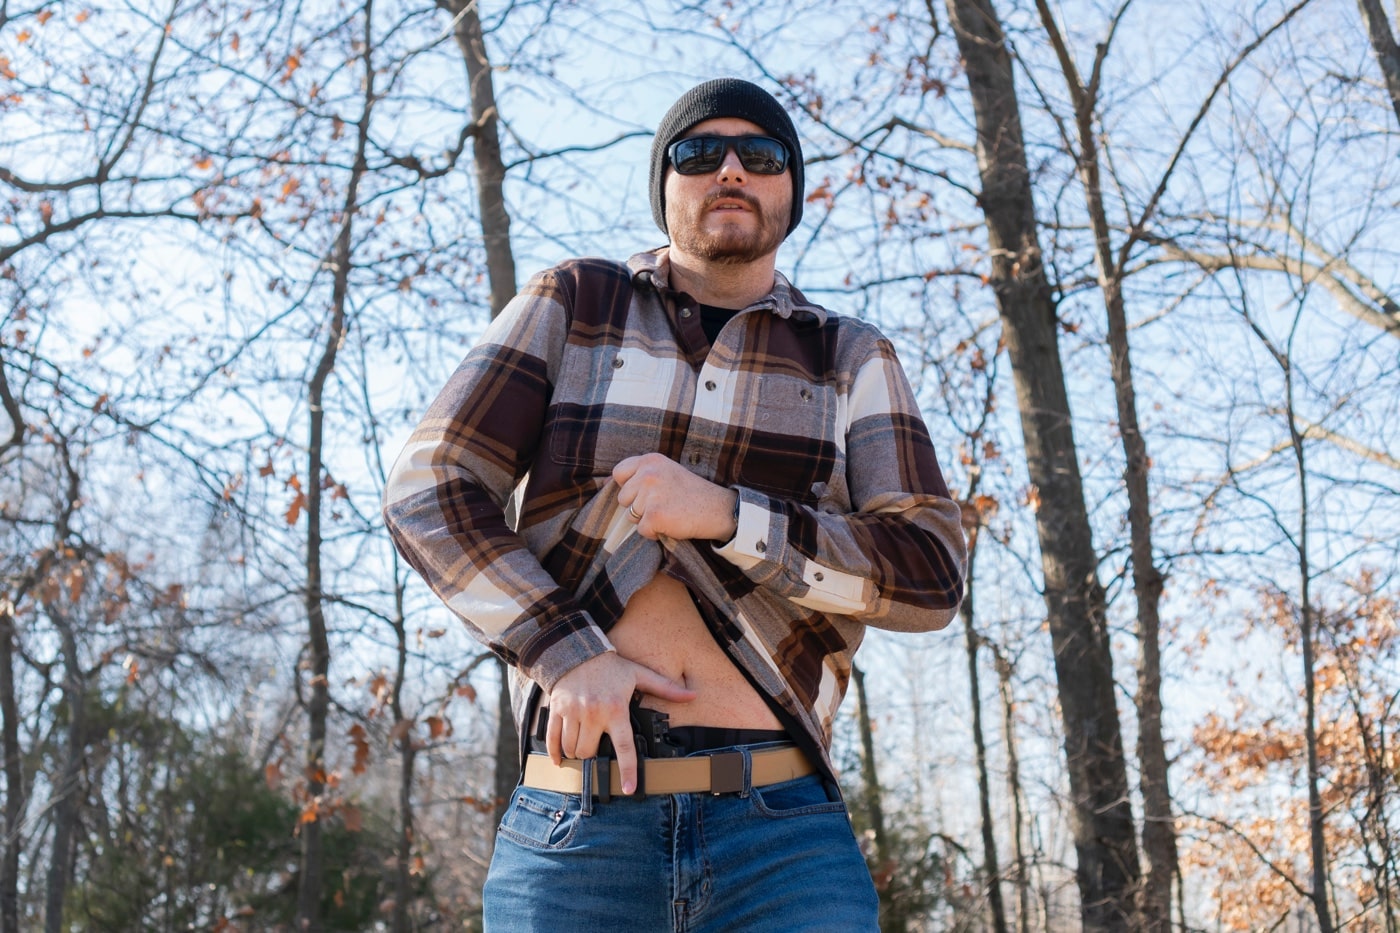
(712, 320)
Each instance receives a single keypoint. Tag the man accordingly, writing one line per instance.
(723, 485)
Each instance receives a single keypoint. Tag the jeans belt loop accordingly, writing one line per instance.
(587, 791)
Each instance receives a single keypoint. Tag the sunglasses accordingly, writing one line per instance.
(697, 155)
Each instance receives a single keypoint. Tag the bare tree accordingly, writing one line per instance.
(1015, 791)
(977, 510)
(990, 867)
(500, 266)
(892, 916)
(15, 792)
(340, 261)
(68, 785)
(1308, 632)
(1102, 821)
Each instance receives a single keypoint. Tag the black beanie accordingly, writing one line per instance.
(724, 97)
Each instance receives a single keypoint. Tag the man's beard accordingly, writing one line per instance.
(730, 245)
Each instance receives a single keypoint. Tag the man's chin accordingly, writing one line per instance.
(731, 255)
(735, 248)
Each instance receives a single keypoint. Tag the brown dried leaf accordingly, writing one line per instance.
(294, 510)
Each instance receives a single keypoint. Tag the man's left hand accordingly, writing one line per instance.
(667, 500)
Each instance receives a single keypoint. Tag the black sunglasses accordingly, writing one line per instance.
(696, 155)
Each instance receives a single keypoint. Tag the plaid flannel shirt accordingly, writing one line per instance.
(844, 518)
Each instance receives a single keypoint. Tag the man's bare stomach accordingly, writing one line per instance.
(662, 629)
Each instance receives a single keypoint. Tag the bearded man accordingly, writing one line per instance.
(719, 486)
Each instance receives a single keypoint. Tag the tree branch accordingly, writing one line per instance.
(1383, 44)
(11, 406)
(1330, 276)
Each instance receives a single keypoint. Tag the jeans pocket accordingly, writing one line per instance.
(804, 796)
(541, 819)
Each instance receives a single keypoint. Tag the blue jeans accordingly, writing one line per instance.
(770, 860)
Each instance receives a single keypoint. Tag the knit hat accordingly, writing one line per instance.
(724, 97)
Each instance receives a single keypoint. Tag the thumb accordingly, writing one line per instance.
(659, 685)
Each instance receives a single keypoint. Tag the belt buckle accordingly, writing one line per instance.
(726, 773)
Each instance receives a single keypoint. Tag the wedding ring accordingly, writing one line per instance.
(633, 512)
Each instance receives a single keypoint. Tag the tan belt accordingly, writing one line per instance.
(720, 773)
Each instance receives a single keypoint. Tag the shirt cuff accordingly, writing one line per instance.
(580, 645)
(755, 540)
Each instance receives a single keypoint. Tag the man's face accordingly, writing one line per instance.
(730, 215)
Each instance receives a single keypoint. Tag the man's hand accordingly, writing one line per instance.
(592, 699)
(664, 498)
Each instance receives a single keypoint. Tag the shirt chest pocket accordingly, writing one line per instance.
(611, 404)
(790, 443)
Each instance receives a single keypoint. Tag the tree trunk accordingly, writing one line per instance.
(67, 797)
(1317, 837)
(312, 877)
(1384, 45)
(507, 748)
(486, 150)
(1101, 812)
(500, 270)
(1159, 826)
(990, 863)
(9, 708)
(14, 774)
(892, 918)
(408, 751)
(1013, 784)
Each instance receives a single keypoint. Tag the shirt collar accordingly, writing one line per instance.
(653, 269)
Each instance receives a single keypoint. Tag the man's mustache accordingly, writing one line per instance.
(731, 194)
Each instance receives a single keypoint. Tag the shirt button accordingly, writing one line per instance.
(709, 385)
(818, 576)
(761, 547)
(617, 362)
(685, 312)
(806, 395)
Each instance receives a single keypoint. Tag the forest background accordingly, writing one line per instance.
(1139, 259)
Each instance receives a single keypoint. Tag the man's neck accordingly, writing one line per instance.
(722, 285)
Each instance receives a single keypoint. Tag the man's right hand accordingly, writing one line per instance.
(592, 699)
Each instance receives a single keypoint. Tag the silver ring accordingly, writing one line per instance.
(633, 512)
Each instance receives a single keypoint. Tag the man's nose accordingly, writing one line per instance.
(731, 170)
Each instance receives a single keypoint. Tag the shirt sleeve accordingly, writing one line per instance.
(897, 560)
(445, 498)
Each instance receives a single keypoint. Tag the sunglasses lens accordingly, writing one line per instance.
(696, 155)
(762, 155)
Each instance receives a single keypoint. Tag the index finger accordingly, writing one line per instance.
(624, 469)
(626, 752)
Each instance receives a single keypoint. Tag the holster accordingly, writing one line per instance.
(651, 736)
